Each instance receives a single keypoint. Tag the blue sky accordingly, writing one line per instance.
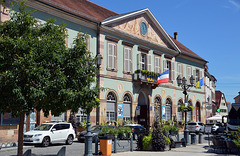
(210, 28)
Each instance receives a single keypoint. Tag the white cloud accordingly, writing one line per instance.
(236, 3)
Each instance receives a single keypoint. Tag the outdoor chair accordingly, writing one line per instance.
(220, 145)
(232, 147)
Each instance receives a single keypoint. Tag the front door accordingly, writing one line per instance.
(143, 118)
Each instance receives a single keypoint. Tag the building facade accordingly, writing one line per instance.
(221, 104)
(135, 49)
(210, 81)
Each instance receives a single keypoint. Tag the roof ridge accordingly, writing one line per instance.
(102, 7)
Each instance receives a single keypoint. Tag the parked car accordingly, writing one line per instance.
(136, 129)
(95, 130)
(218, 128)
(49, 133)
(195, 127)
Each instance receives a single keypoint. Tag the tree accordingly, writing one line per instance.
(38, 72)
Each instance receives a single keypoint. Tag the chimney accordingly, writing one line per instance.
(175, 35)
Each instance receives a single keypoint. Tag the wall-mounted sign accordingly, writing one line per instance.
(120, 110)
(138, 110)
(163, 112)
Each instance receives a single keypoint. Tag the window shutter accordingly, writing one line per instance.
(155, 64)
(138, 61)
(194, 75)
(130, 60)
(172, 71)
(125, 59)
(110, 56)
(149, 62)
(114, 56)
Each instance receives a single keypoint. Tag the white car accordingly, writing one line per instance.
(195, 127)
(48, 133)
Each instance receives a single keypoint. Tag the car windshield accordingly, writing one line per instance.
(192, 123)
(43, 127)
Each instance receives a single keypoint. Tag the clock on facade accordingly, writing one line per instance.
(143, 28)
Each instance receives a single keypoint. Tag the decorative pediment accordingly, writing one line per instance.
(141, 24)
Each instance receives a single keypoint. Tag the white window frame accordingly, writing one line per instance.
(169, 65)
(142, 61)
(127, 60)
(112, 56)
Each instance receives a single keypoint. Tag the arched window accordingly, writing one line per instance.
(111, 106)
(189, 113)
(168, 109)
(180, 113)
(127, 107)
(157, 108)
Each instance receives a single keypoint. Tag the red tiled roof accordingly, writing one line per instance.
(83, 8)
(218, 95)
(185, 50)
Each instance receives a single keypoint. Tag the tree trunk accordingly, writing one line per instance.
(20, 135)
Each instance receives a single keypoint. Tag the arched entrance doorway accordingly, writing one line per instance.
(198, 112)
(143, 104)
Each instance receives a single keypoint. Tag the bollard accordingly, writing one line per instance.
(193, 138)
(131, 143)
(115, 145)
(96, 145)
(200, 138)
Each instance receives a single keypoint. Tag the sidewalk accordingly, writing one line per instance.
(191, 150)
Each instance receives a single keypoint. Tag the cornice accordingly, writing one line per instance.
(136, 39)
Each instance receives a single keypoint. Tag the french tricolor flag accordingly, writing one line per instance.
(163, 77)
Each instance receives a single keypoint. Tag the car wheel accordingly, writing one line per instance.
(69, 140)
(46, 141)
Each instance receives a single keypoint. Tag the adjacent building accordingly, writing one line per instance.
(210, 86)
(221, 104)
(135, 49)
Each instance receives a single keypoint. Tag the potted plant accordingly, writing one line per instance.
(147, 141)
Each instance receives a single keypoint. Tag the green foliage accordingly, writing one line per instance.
(181, 122)
(147, 72)
(116, 131)
(37, 72)
(160, 137)
(147, 140)
(236, 137)
(182, 108)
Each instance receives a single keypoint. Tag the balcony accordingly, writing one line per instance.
(144, 77)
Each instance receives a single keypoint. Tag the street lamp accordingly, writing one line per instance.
(88, 136)
(183, 83)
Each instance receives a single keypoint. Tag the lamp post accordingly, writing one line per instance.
(88, 136)
(183, 83)
(99, 56)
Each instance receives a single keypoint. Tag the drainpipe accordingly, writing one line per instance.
(98, 75)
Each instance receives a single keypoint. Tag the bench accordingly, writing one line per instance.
(179, 143)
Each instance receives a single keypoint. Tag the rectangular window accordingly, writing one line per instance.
(157, 65)
(112, 56)
(127, 60)
(168, 65)
(197, 76)
(143, 62)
